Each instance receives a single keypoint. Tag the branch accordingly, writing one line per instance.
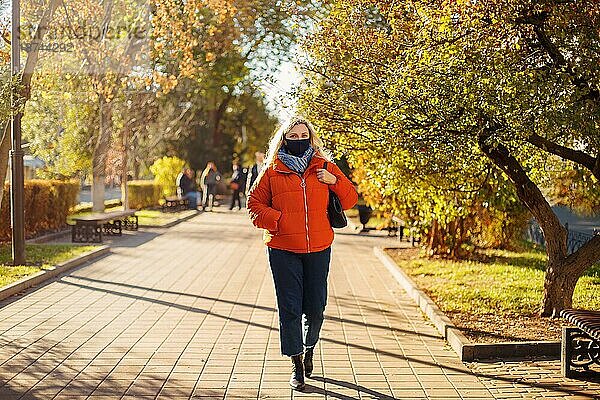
(566, 153)
(34, 53)
(538, 21)
(528, 192)
(586, 255)
(312, 69)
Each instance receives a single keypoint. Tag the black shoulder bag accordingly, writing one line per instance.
(335, 212)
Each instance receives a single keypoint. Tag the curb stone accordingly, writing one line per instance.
(175, 222)
(466, 350)
(45, 275)
(50, 236)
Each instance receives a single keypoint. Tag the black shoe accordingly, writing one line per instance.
(297, 379)
(308, 362)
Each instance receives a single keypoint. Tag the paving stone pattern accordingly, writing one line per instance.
(533, 379)
(189, 312)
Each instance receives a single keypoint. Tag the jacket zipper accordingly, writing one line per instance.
(303, 185)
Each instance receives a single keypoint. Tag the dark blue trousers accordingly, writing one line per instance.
(301, 289)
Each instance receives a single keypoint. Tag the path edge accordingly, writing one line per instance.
(174, 222)
(465, 349)
(45, 275)
(50, 236)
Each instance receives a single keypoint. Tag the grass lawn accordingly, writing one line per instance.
(496, 295)
(39, 257)
(145, 217)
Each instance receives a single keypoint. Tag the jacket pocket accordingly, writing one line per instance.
(278, 221)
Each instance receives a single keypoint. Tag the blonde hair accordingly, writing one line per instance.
(209, 166)
(276, 142)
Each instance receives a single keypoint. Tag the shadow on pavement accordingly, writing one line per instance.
(7, 393)
(131, 239)
(361, 389)
(264, 308)
(464, 370)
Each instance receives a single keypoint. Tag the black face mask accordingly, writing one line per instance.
(297, 147)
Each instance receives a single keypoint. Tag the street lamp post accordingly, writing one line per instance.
(16, 153)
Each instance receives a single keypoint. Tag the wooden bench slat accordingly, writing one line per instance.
(586, 320)
(105, 217)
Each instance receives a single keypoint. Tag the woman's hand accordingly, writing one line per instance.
(326, 177)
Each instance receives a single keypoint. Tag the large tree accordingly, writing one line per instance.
(455, 85)
(22, 82)
(88, 103)
(216, 57)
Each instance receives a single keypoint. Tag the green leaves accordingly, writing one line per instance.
(165, 171)
(406, 105)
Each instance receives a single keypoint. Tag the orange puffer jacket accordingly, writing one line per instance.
(292, 208)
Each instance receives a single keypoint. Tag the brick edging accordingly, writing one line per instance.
(45, 275)
(466, 350)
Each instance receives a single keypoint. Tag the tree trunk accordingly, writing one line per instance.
(124, 193)
(136, 167)
(98, 192)
(99, 157)
(562, 270)
(558, 289)
(562, 276)
(433, 238)
(216, 116)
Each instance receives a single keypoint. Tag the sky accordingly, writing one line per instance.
(278, 97)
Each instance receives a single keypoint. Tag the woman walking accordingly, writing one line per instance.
(210, 179)
(289, 200)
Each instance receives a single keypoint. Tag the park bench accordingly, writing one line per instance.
(400, 226)
(581, 342)
(175, 203)
(90, 228)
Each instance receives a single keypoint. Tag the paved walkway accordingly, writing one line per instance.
(190, 312)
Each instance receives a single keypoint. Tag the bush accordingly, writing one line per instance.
(144, 194)
(47, 204)
(165, 171)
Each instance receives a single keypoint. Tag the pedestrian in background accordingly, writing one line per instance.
(210, 179)
(187, 188)
(237, 184)
(253, 172)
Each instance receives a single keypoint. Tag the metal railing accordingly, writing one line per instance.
(575, 239)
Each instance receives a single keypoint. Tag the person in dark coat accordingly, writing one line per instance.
(255, 170)
(187, 188)
(210, 179)
(237, 185)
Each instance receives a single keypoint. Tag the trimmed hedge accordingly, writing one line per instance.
(47, 204)
(143, 194)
